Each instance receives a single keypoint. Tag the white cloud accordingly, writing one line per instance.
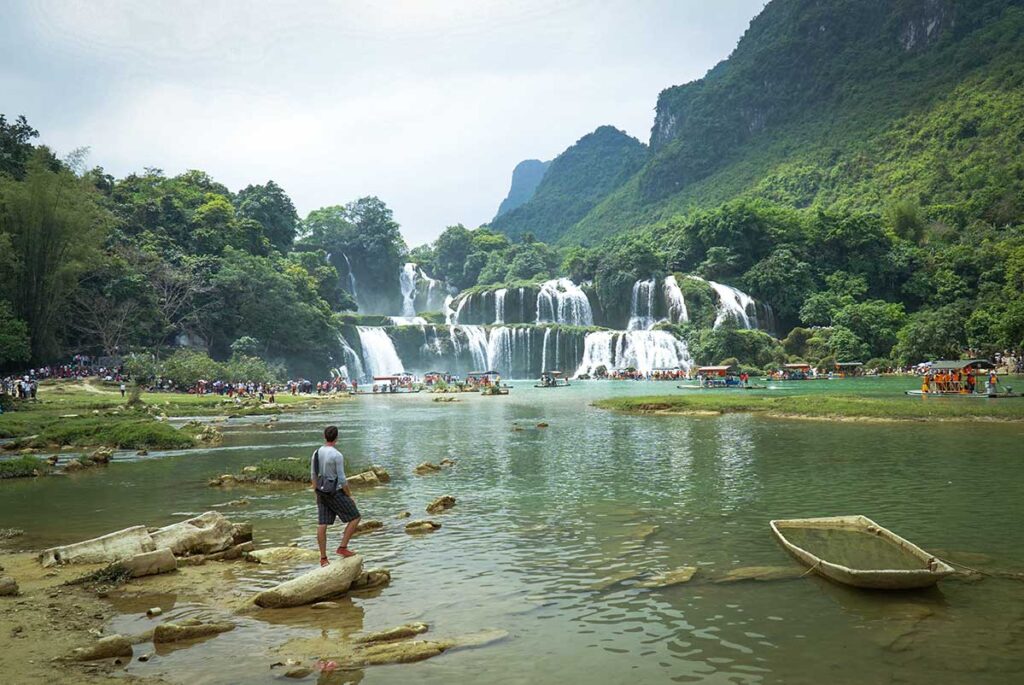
(428, 105)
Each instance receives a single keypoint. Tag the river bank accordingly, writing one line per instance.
(831, 407)
(84, 415)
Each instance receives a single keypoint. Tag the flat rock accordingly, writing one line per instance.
(177, 632)
(760, 573)
(320, 606)
(421, 526)
(204, 534)
(368, 580)
(283, 555)
(442, 503)
(150, 563)
(374, 476)
(397, 633)
(122, 544)
(426, 468)
(614, 579)
(105, 648)
(683, 574)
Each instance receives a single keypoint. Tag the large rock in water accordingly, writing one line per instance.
(283, 555)
(204, 534)
(150, 563)
(116, 546)
(105, 648)
(317, 585)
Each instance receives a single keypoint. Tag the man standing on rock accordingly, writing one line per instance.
(333, 497)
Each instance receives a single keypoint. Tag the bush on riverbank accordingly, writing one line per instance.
(290, 470)
(25, 466)
(820, 406)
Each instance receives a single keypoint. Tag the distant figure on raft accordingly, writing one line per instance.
(333, 497)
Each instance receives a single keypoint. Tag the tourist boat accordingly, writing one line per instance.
(552, 379)
(854, 550)
(719, 378)
(398, 384)
(962, 378)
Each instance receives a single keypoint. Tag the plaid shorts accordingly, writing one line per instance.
(335, 505)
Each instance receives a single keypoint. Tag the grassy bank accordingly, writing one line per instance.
(23, 467)
(900, 408)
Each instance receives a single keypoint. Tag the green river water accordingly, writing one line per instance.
(547, 518)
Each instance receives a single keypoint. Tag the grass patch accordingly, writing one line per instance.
(24, 466)
(825, 406)
(289, 470)
(128, 430)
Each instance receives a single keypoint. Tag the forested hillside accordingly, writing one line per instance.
(577, 180)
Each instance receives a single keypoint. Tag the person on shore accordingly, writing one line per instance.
(122, 390)
(333, 497)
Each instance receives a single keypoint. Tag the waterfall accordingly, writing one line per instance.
(674, 300)
(476, 337)
(351, 279)
(641, 310)
(449, 314)
(499, 305)
(562, 301)
(408, 320)
(643, 350)
(736, 304)
(407, 282)
(379, 354)
(353, 366)
(544, 351)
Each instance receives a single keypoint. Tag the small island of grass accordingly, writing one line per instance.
(831, 407)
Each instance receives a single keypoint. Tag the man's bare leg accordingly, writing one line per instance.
(350, 529)
(321, 541)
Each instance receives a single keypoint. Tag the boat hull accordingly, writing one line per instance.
(933, 571)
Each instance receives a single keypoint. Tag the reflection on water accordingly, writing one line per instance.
(555, 529)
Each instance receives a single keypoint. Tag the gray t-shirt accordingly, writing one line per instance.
(332, 465)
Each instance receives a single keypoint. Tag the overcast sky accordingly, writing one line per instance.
(427, 104)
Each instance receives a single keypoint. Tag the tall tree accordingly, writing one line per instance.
(55, 226)
(15, 145)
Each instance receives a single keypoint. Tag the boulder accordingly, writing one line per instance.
(142, 453)
(210, 435)
(204, 534)
(446, 462)
(102, 456)
(231, 553)
(421, 526)
(112, 547)
(443, 503)
(242, 532)
(73, 465)
(250, 469)
(403, 515)
(8, 586)
(368, 527)
(314, 586)
(283, 555)
(105, 648)
(178, 632)
(375, 475)
(683, 574)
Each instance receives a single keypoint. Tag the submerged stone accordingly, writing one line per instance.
(421, 526)
(683, 574)
(178, 632)
(760, 573)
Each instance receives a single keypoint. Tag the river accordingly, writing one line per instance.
(547, 518)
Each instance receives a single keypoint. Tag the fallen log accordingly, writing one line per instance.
(316, 585)
(207, 533)
(116, 546)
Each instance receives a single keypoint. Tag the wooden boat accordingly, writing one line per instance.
(854, 550)
(976, 395)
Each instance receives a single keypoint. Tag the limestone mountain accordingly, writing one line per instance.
(575, 182)
(839, 104)
(525, 179)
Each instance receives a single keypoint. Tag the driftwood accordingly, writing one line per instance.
(122, 544)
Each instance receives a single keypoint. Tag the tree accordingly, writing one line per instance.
(932, 334)
(846, 346)
(781, 280)
(875, 323)
(14, 341)
(451, 250)
(270, 206)
(15, 146)
(55, 227)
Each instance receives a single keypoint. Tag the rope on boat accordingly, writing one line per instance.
(1004, 574)
(811, 569)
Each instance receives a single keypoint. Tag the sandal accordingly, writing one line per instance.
(324, 561)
